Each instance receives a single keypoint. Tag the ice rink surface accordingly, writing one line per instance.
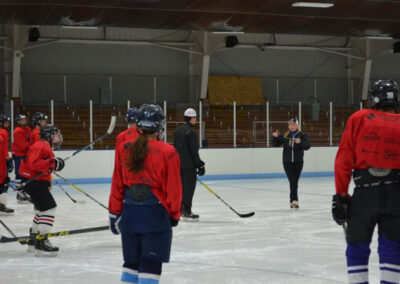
(277, 245)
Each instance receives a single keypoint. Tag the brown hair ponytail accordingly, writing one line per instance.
(138, 153)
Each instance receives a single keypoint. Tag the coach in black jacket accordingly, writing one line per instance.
(187, 146)
(294, 143)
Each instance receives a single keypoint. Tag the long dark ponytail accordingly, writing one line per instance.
(138, 153)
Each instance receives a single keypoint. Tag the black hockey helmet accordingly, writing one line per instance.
(132, 115)
(3, 119)
(384, 93)
(51, 134)
(19, 117)
(150, 117)
(38, 117)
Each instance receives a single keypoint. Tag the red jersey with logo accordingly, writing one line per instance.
(371, 139)
(39, 159)
(21, 141)
(161, 172)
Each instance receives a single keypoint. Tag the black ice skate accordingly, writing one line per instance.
(31, 242)
(23, 198)
(5, 211)
(189, 216)
(43, 247)
(294, 204)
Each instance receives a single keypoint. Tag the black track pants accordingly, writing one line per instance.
(293, 172)
(188, 177)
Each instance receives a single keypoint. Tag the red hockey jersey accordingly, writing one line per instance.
(161, 172)
(371, 139)
(39, 159)
(4, 134)
(21, 141)
(129, 134)
(35, 136)
(3, 156)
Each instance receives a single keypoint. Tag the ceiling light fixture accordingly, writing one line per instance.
(227, 33)
(80, 27)
(312, 4)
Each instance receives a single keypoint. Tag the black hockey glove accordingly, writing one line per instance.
(201, 170)
(174, 222)
(10, 165)
(340, 207)
(115, 226)
(58, 164)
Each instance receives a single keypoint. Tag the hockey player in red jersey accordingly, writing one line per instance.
(131, 133)
(6, 165)
(20, 147)
(40, 160)
(145, 200)
(39, 121)
(370, 151)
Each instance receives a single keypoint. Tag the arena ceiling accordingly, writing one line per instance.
(345, 18)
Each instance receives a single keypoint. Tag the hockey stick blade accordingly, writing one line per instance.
(112, 124)
(223, 201)
(24, 240)
(246, 215)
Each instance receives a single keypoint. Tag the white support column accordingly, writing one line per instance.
(12, 119)
(361, 105)
(52, 112)
(267, 118)
(277, 90)
(165, 124)
(300, 122)
(352, 92)
(91, 122)
(200, 124)
(128, 104)
(155, 89)
(367, 71)
(315, 89)
(205, 68)
(234, 124)
(16, 78)
(330, 124)
(111, 88)
(65, 89)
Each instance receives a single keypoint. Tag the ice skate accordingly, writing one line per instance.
(31, 242)
(294, 205)
(189, 216)
(43, 247)
(5, 211)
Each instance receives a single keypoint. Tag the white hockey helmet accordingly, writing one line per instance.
(190, 113)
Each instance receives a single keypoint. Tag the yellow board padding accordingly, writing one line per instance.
(224, 90)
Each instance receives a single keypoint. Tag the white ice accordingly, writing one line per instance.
(277, 245)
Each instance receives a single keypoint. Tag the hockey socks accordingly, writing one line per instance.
(129, 275)
(43, 221)
(357, 262)
(389, 258)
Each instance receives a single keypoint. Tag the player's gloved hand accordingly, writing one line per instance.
(115, 226)
(201, 170)
(5, 184)
(340, 207)
(58, 164)
(174, 222)
(10, 165)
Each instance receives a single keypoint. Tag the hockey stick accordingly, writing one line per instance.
(109, 131)
(216, 195)
(24, 240)
(66, 193)
(81, 191)
(7, 228)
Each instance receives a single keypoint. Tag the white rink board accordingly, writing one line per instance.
(276, 246)
(100, 163)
